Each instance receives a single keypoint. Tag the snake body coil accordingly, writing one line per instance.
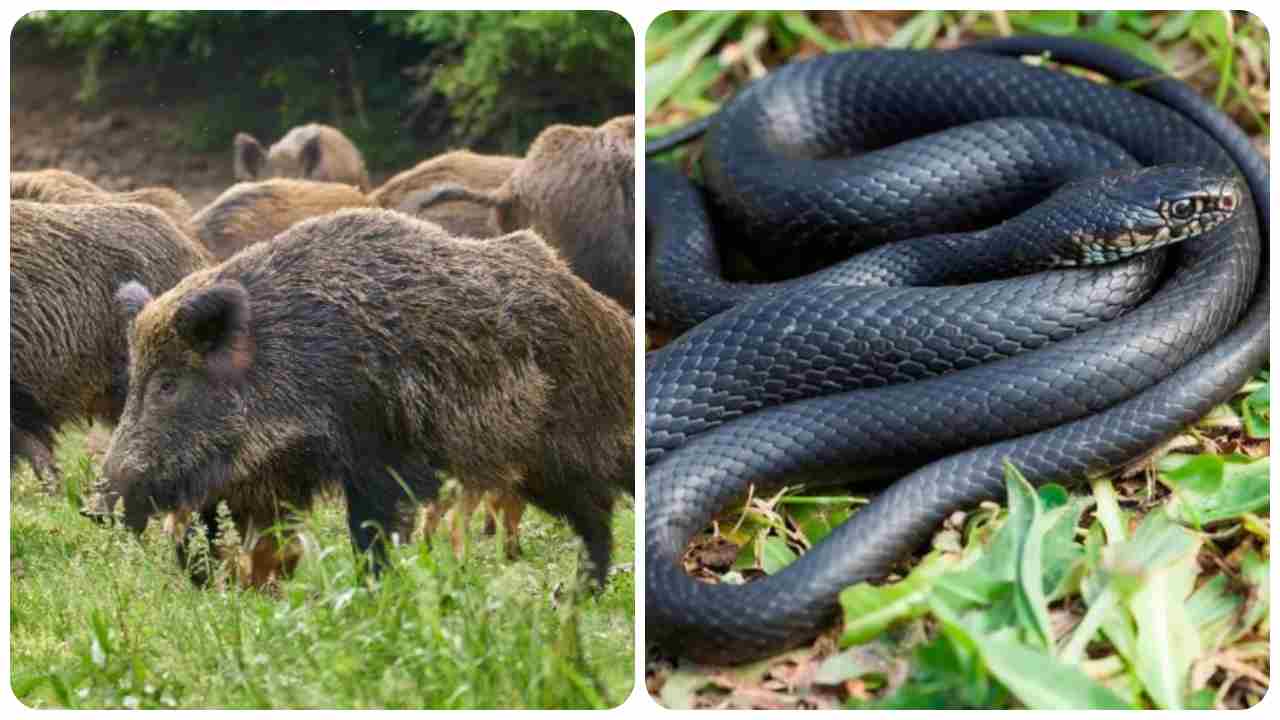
(1063, 373)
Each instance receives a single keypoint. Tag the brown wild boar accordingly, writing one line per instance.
(59, 186)
(462, 168)
(68, 355)
(576, 188)
(251, 212)
(366, 351)
(312, 152)
(41, 185)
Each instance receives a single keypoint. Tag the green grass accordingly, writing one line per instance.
(101, 619)
(696, 60)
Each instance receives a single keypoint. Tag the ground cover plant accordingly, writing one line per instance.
(101, 619)
(1146, 589)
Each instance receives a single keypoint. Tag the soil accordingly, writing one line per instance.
(116, 143)
(119, 141)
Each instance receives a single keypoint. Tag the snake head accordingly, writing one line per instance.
(1139, 210)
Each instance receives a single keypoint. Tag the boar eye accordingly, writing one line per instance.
(168, 387)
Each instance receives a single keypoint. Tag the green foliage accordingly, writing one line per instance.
(992, 602)
(686, 71)
(1213, 488)
(400, 84)
(511, 64)
(678, 45)
(1256, 407)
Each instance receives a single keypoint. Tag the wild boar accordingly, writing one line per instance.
(576, 188)
(311, 152)
(461, 168)
(251, 212)
(59, 186)
(364, 351)
(68, 351)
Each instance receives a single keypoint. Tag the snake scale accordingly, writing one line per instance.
(1064, 373)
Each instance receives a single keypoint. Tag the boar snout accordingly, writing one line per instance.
(126, 481)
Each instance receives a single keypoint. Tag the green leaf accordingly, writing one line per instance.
(945, 674)
(919, 32)
(1025, 506)
(707, 72)
(1041, 681)
(816, 517)
(852, 663)
(1062, 556)
(1255, 570)
(1127, 41)
(1213, 609)
(664, 77)
(1175, 26)
(1256, 409)
(775, 555)
(1053, 496)
(1158, 568)
(1038, 679)
(1211, 488)
(799, 23)
(1212, 30)
(1203, 699)
(1110, 517)
(1046, 22)
(870, 609)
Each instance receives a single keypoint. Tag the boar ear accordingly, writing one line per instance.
(506, 216)
(215, 321)
(131, 298)
(249, 157)
(309, 156)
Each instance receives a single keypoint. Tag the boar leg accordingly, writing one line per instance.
(269, 560)
(510, 506)
(493, 503)
(584, 515)
(462, 512)
(27, 446)
(431, 515)
(370, 523)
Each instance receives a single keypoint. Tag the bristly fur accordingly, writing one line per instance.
(575, 188)
(59, 186)
(384, 350)
(475, 172)
(68, 351)
(252, 212)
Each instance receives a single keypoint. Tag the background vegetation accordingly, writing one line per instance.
(1147, 589)
(398, 83)
(695, 60)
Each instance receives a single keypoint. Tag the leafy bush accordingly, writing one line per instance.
(399, 83)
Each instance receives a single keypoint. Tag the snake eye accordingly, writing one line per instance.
(168, 387)
(1183, 209)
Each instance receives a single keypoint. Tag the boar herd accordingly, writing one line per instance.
(303, 334)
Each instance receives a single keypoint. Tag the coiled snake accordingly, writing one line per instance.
(1064, 373)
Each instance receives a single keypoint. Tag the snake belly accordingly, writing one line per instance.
(1063, 407)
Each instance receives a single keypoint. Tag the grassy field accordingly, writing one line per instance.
(1147, 589)
(100, 619)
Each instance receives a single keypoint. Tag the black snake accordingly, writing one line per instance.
(1064, 373)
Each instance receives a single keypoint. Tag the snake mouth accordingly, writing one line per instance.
(1229, 197)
